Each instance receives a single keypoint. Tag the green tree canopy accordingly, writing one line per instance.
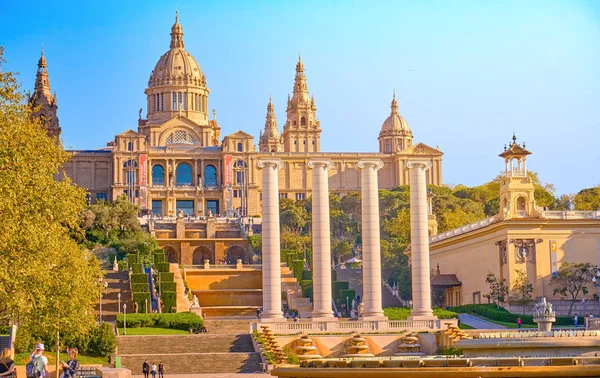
(587, 199)
(47, 282)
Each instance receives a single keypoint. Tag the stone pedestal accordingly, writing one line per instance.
(419, 242)
(371, 245)
(271, 266)
(321, 240)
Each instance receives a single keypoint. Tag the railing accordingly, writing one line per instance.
(287, 327)
(517, 173)
(571, 214)
(463, 229)
(224, 266)
(395, 294)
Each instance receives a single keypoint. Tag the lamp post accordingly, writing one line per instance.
(124, 318)
(119, 305)
(146, 305)
(100, 297)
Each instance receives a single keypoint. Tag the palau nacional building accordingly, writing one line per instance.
(177, 158)
(178, 162)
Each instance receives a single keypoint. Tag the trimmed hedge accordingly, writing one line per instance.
(159, 258)
(402, 313)
(306, 275)
(162, 267)
(337, 286)
(138, 278)
(180, 320)
(350, 294)
(297, 268)
(492, 312)
(133, 258)
(169, 299)
(136, 268)
(140, 288)
(140, 299)
(167, 277)
(168, 286)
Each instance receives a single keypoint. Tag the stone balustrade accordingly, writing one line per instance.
(313, 327)
(536, 333)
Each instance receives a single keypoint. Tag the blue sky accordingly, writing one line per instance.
(466, 73)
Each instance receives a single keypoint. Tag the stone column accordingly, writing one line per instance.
(419, 242)
(370, 236)
(321, 240)
(271, 266)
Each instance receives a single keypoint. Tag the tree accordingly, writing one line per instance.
(498, 288)
(47, 281)
(587, 199)
(571, 280)
(293, 215)
(522, 288)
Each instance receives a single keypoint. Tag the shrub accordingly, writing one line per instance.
(138, 278)
(307, 289)
(350, 294)
(133, 258)
(102, 341)
(122, 265)
(25, 341)
(401, 313)
(163, 267)
(168, 286)
(140, 288)
(290, 356)
(179, 320)
(140, 299)
(169, 299)
(136, 268)
(4, 330)
(306, 275)
(167, 277)
(159, 258)
(297, 268)
(337, 286)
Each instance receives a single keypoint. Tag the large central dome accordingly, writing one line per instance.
(177, 66)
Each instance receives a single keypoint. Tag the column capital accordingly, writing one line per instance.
(423, 164)
(263, 163)
(370, 163)
(313, 163)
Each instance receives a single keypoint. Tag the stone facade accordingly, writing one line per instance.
(176, 159)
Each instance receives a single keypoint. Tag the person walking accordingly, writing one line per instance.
(146, 368)
(38, 363)
(70, 368)
(519, 322)
(153, 370)
(575, 319)
(161, 370)
(7, 365)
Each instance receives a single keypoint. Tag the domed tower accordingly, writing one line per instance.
(517, 193)
(302, 130)
(42, 100)
(395, 135)
(270, 141)
(177, 88)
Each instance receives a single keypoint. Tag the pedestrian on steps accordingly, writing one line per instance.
(161, 370)
(519, 322)
(146, 368)
(153, 371)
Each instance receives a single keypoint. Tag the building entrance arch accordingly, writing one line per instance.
(171, 255)
(203, 253)
(235, 253)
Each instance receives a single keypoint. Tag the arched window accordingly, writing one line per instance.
(183, 175)
(240, 147)
(294, 123)
(130, 146)
(130, 167)
(158, 175)
(303, 121)
(210, 176)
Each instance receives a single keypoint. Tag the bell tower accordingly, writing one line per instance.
(302, 130)
(516, 188)
(43, 102)
(270, 141)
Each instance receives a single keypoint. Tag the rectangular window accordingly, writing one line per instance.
(101, 196)
(185, 101)
(157, 207)
(283, 195)
(300, 196)
(261, 196)
(174, 105)
(235, 194)
(179, 101)
(137, 193)
(162, 102)
(187, 206)
(157, 102)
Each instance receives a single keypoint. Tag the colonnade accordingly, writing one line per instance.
(372, 283)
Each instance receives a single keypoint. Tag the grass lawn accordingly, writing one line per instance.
(23, 358)
(142, 331)
(465, 326)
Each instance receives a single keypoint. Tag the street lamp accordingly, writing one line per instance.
(146, 305)
(124, 318)
(100, 296)
(119, 306)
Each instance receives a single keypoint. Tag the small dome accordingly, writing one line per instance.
(177, 66)
(395, 122)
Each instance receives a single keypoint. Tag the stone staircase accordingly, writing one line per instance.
(183, 302)
(228, 351)
(293, 293)
(355, 282)
(118, 282)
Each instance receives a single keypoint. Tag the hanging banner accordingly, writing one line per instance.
(143, 181)
(228, 170)
(553, 257)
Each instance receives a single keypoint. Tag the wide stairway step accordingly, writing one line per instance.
(228, 326)
(196, 363)
(169, 344)
(233, 311)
